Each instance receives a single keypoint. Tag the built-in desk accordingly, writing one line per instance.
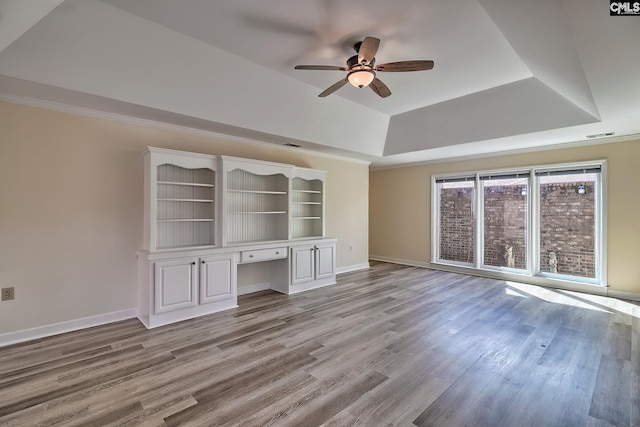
(179, 285)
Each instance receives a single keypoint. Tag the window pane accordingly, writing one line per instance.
(505, 222)
(567, 224)
(457, 221)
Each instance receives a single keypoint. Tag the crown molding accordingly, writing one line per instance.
(559, 146)
(122, 118)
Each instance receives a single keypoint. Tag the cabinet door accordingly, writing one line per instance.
(325, 260)
(175, 284)
(302, 260)
(217, 278)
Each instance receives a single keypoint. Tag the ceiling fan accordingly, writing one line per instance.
(362, 69)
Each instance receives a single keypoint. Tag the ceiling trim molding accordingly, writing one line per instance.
(122, 118)
(559, 146)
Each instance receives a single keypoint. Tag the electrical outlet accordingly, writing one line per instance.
(8, 294)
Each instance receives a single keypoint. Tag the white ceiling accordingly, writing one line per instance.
(509, 74)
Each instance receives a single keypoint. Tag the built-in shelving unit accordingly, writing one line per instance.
(206, 216)
(185, 211)
(307, 204)
(256, 202)
(181, 202)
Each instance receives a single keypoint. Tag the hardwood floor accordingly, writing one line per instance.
(392, 345)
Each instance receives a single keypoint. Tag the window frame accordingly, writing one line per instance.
(514, 173)
(436, 224)
(533, 261)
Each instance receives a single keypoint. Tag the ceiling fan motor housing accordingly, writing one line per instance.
(351, 62)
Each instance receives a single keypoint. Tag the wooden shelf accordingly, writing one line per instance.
(307, 191)
(187, 184)
(187, 220)
(259, 213)
(243, 242)
(257, 192)
(187, 200)
(307, 217)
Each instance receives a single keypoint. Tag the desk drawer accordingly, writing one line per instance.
(263, 254)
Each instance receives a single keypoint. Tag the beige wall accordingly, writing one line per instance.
(400, 199)
(71, 209)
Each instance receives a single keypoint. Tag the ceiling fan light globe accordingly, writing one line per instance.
(361, 78)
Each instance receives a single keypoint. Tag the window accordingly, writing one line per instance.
(456, 224)
(568, 231)
(505, 220)
(539, 221)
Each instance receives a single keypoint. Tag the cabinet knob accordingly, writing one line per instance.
(193, 263)
(203, 261)
(250, 256)
(277, 253)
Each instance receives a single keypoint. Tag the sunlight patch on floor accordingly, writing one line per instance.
(515, 293)
(574, 299)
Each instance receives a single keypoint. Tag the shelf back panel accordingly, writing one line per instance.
(173, 173)
(239, 179)
(306, 228)
(185, 207)
(185, 234)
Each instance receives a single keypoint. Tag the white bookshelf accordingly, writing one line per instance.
(307, 204)
(206, 216)
(180, 200)
(185, 211)
(256, 202)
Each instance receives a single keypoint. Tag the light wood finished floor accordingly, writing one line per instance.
(392, 345)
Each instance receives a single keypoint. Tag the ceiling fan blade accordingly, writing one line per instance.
(320, 67)
(380, 88)
(334, 88)
(418, 65)
(368, 49)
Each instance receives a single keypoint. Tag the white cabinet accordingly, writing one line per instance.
(175, 284)
(312, 266)
(175, 289)
(325, 261)
(217, 278)
(205, 214)
(302, 264)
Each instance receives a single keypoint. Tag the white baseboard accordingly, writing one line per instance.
(633, 296)
(400, 261)
(590, 289)
(68, 326)
(353, 267)
(257, 287)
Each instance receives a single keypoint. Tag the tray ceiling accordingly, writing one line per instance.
(508, 75)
